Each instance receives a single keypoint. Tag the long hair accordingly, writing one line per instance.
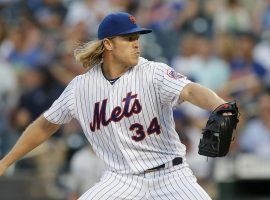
(90, 53)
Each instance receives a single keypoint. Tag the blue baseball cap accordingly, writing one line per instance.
(119, 23)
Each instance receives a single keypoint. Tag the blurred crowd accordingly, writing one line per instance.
(223, 45)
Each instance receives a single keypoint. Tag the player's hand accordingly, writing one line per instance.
(3, 168)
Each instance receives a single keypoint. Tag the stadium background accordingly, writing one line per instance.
(224, 45)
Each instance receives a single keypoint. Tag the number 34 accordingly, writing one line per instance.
(154, 127)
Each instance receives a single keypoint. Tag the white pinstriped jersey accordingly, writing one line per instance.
(130, 123)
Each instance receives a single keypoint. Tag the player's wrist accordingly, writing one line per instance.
(217, 105)
(3, 167)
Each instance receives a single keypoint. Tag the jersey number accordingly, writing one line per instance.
(154, 127)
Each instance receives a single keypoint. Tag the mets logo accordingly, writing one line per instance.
(132, 19)
(173, 74)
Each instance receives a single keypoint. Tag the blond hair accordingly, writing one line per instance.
(90, 53)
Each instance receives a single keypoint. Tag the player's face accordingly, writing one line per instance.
(126, 50)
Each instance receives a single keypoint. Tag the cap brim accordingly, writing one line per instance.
(136, 30)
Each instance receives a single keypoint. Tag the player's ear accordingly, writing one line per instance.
(108, 45)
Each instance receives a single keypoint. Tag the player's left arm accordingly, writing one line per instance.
(201, 96)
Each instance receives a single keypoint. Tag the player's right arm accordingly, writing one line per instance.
(35, 134)
(61, 112)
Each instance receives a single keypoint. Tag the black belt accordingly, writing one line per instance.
(175, 161)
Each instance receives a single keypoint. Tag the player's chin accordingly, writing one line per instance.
(134, 61)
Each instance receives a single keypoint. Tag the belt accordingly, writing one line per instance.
(175, 161)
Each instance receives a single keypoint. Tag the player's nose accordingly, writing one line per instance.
(136, 44)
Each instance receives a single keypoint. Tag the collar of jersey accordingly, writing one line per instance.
(112, 81)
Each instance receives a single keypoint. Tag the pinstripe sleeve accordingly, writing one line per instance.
(62, 110)
(169, 83)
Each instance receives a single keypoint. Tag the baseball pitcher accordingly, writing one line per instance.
(124, 106)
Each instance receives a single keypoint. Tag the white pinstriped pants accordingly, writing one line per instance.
(174, 183)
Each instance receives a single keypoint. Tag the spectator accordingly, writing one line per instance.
(8, 88)
(231, 17)
(183, 61)
(25, 40)
(38, 92)
(246, 74)
(261, 56)
(224, 45)
(265, 18)
(255, 138)
(206, 68)
(88, 12)
(160, 14)
(8, 100)
(86, 170)
(49, 13)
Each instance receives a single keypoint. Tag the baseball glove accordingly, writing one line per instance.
(217, 135)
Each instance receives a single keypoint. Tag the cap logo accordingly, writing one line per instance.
(132, 19)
